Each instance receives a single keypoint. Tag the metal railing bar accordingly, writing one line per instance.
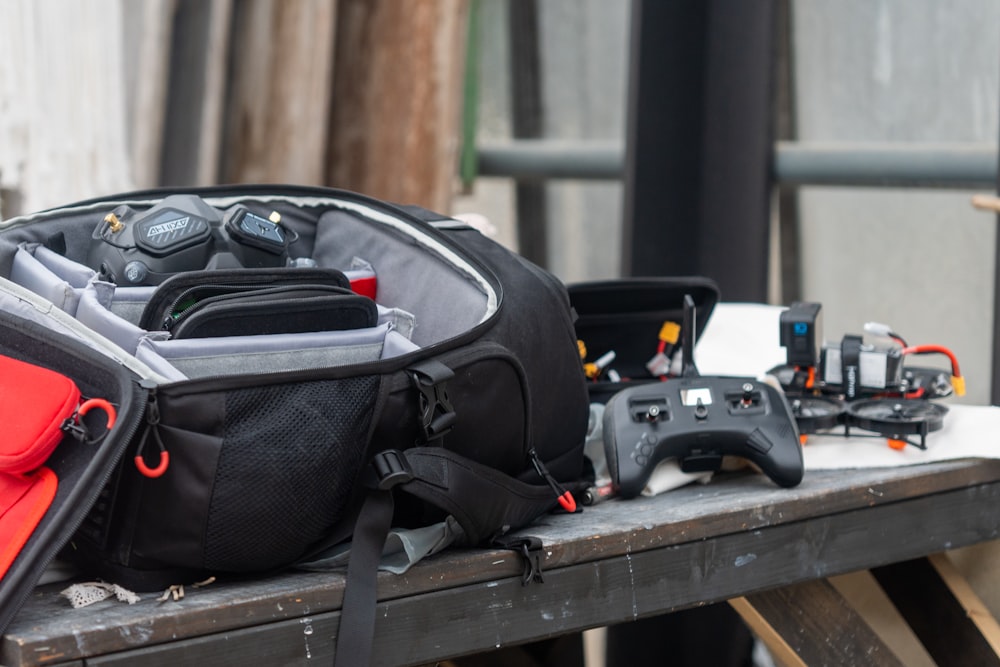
(944, 165)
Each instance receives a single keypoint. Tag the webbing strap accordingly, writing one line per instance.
(356, 633)
(484, 501)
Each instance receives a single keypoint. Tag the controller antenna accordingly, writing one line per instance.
(688, 368)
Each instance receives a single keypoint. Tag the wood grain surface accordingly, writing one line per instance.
(616, 561)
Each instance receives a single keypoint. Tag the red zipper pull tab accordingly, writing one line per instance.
(152, 426)
(565, 498)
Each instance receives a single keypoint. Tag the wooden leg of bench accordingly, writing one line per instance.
(946, 615)
(812, 624)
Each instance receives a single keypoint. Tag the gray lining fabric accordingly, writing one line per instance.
(426, 293)
(240, 355)
(56, 278)
(445, 300)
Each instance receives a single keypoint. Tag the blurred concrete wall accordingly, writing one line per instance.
(863, 71)
(585, 91)
(584, 71)
(919, 260)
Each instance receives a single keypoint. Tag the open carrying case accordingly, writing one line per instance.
(261, 435)
(631, 329)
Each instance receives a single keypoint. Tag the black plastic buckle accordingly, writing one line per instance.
(74, 428)
(437, 416)
(391, 468)
(530, 550)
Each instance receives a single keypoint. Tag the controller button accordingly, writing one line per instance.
(759, 442)
(700, 411)
(135, 272)
(642, 460)
(646, 450)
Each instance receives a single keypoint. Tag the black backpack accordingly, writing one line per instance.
(279, 413)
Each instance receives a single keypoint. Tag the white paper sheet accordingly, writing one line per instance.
(742, 339)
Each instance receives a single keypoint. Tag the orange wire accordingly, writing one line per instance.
(939, 349)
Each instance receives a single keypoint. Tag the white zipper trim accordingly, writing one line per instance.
(366, 211)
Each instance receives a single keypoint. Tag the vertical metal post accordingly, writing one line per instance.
(527, 118)
(790, 269)
(995, 375)
(700, 141)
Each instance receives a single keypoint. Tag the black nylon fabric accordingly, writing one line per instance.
(536, 325)
(260, 472)
(285, 472)
(485, 502)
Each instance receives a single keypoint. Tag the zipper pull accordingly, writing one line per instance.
(566, 499)
(152, 424)
(74, 425)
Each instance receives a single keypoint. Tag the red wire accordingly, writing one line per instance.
(935, 349)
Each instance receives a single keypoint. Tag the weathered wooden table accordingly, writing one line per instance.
(739, 536)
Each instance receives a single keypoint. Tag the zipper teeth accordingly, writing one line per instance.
(433, 240)
(247, 290)
(233, 288)
(372, 209)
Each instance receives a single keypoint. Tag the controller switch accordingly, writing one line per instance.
(759, 441)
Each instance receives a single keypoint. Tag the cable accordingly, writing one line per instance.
(957, 381)
(879, 329)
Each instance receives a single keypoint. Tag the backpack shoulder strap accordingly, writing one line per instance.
(485, 502)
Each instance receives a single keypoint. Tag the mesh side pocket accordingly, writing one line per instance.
(289, 457)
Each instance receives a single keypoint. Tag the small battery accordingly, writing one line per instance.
(877, 369)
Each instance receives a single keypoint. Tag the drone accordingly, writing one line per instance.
(857, 384)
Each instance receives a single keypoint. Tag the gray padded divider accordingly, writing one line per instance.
(446, 302)
(95, 312)
(247, 355)
(402, 322)
(49, 275)
(74, 273)
(397, 345)
(129, 302)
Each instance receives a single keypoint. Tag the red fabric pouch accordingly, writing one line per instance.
(24, 499)
(34, 404)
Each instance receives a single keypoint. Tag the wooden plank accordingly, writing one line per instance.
(863, 593)
(395, 121)
(784, 655)
(613, 528)
(939, 616)
(468, 601)
(975, 609)
(811, 624)
(739, 503)
(277, 115)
